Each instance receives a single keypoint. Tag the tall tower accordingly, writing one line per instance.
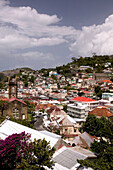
(12, 87)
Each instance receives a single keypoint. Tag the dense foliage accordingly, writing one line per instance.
(104, 148)
(97, 62)
(98, 127)
(25, 122)
(3, 106)
(2, 118)
(98, 91)
(31, 107)
(19, 152)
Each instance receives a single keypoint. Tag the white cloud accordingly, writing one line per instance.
(50, 41)
(36, 55)
(25, 16)
(23, 28)
(98, 39)
(3, 2)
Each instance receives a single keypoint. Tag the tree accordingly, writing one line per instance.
(104, 148)
(80, 93)
(92, 125)
(53, 77)
(25, 122)
(26, 83)
(98, 91)
(31, 107)
(1, 85)
(43, 153)
(98, 127)
(65, 108)
(104, 152)
(3, 106)
(18, 152)
(32, 79)
(88, 70)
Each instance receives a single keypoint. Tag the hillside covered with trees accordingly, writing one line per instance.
(98, 63)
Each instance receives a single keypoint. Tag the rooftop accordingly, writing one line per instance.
(13, 99)
(67, 157)
(9, 127)
(83, 99)
(101, 111)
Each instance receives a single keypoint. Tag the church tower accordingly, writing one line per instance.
(12, 87)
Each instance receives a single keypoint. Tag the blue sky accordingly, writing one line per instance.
(48, 33)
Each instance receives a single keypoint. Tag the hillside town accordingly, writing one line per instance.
(60, 107)
(56, 85)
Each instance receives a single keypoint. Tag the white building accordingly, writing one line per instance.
(91, 103)
(78, 110)
(52, 73)
(107, 96)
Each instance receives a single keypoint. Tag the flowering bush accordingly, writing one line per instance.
(17, 151)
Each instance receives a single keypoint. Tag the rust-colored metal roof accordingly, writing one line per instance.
(101, 111)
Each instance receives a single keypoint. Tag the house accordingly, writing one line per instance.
(52, 73)
(87, 93)
(100, 76)
(59, 120)
(105, 82)
(91, 103)
(109, 107)
(68, 128)
(84, 140)
(66, 158)
(101, 111)
(53, 87)
(85, 67)
(78, 110)
(107, 96)
(16, 108)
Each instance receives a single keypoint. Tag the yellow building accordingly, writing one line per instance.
(14, 107)
(17, 108)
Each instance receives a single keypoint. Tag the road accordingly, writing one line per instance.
(38, 124)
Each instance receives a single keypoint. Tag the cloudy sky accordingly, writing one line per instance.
(48, 33)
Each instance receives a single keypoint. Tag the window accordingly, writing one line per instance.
(16, 113)
(74, 130)
(65, 130)
(13, 90)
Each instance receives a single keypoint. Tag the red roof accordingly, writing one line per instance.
(14, 98)
(85, 91)
(107, 81)
(83, 99)
(60, 146)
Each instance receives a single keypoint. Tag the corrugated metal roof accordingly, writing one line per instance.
(67, 157)
(101, 111)
(50, 134)
(10, 127)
